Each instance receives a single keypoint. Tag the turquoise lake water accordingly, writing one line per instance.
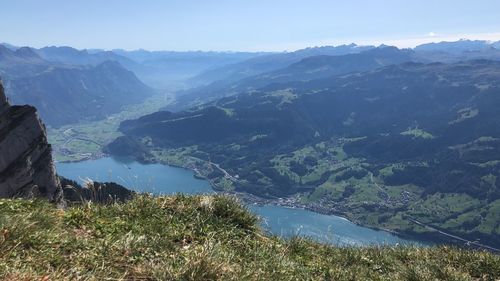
(286, 222)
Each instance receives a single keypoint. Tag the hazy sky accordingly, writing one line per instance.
(243, 25)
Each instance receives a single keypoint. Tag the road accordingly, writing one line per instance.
(467, 242)
(375, 183)
(226, 174)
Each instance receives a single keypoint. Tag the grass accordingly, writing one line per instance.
(417, 133)
(480, 144)
(443, 205)
(285, 96)
(228, 111)
(335, 158)
(199, 238)
(491, 222)
(465, 114)
(178, 157)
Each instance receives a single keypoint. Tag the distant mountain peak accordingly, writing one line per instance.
(333, 50)
(27, 52)
(20, 55)
(5, 51)
(459, 46)
(110, 63)
(385, 48)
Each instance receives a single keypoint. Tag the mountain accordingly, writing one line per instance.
(446, 57)
(175, 70)
(397, 147)
(21, 62)
(26, 166)
(9, 46)
(266, 63)
(319, 62)
(317, 67)
(456, 51)
(72, 56)
(309, 68)
(158, 69)
(194, 57)
(67, 94)
(460, 46)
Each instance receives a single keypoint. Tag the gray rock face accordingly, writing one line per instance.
(26, 166)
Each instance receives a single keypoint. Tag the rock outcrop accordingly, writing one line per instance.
(26, 166)
(98, 192)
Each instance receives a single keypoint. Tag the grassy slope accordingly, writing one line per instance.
(199, 238)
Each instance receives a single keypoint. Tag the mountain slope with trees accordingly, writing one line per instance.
(393, 147)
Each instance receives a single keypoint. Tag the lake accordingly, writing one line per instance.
(283, 221)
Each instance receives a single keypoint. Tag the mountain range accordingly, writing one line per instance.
(457, 47)
(70, 86)
(65, 93)
(270, 62)
(350, 58)
(165, 70)
(319, 62)
(204, 76)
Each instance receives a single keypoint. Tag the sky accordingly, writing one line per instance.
(243, 25)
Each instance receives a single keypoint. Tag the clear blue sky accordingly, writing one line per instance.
(243, 25)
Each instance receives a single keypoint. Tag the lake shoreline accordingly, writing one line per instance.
(289, 202)
(252, 199)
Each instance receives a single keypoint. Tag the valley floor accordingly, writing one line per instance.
(199, 238)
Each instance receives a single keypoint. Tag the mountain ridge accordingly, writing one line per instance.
(308, 68)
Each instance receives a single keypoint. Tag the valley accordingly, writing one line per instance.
(331, 136)
(83, 141)
(86, 141)
(250, 140)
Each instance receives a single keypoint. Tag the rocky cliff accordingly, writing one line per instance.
(26, 166)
